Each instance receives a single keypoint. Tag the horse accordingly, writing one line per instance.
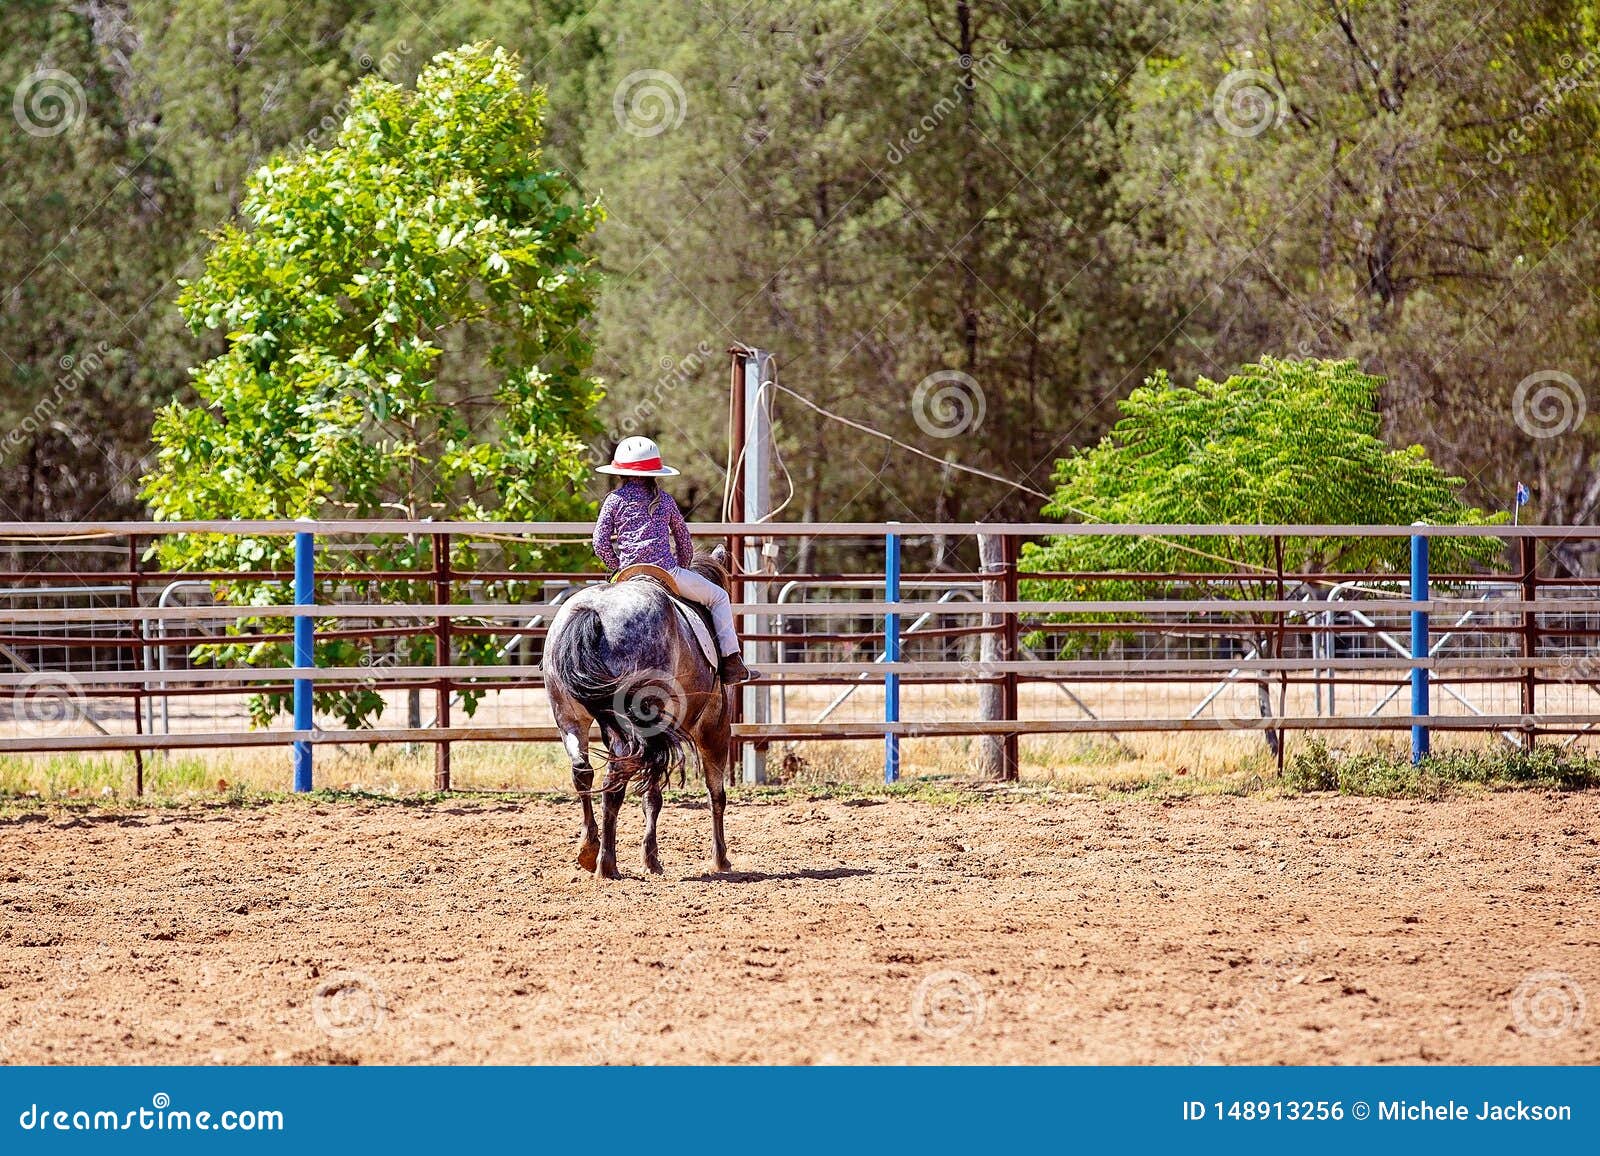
(621, 656)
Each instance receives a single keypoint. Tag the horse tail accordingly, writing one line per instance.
(638, 710)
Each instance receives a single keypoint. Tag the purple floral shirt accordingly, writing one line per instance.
(628, 534)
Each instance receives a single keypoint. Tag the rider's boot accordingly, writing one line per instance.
(732, 670)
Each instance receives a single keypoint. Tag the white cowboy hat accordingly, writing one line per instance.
(637, 458)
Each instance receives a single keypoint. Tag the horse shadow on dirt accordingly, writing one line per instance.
(818, 873)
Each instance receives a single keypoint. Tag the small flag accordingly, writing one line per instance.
(1522, 494)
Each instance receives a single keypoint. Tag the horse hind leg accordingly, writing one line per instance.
(652, 812)
(606, 865)
(715, 764)
(577, 744)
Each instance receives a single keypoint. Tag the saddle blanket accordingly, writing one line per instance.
(697, 627)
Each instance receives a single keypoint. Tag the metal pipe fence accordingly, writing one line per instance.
(96, 658)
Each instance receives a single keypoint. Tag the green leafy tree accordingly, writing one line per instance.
(1406, 182)
(1278, 443)
(404, 314)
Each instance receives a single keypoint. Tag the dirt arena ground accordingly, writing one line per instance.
(1002, 930)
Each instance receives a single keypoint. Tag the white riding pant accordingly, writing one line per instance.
(706, 592)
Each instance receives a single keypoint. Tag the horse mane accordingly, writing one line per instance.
(705, 564)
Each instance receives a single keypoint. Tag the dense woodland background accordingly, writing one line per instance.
(1056, 199)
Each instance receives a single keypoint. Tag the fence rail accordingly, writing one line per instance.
(76, 638)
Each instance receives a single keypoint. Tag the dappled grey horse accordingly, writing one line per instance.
(621, 655)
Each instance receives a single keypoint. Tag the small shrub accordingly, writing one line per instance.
(1312, 769)
(1316, 768)
(1546, 766)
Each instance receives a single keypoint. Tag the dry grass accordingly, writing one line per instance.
(384, 770)
(1161, 764)
(1180, 763)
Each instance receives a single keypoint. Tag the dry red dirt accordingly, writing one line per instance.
(1222, 930)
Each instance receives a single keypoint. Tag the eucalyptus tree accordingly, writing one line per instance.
(1406, 182)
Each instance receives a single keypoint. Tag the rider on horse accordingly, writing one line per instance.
(641, 524)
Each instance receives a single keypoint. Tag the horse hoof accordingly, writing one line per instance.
(588, 855)
(722, 866)
(654, 867)
(607, 871)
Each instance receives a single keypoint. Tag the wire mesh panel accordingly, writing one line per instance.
(453, 650)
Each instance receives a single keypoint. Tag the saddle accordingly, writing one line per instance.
(694, 615)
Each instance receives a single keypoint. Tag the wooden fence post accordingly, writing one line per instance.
(891, 655)
(441, 634)
(991, 692)
(1280, 651)
(1010, 763)
(735, 509)
(1528, 557)
(138, 636)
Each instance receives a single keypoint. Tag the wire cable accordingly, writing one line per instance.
(768, 392)
(911, 448)
(1084, 514)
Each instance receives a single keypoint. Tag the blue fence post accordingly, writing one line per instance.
(305, 594)
(1419, 643)
(891, 654)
